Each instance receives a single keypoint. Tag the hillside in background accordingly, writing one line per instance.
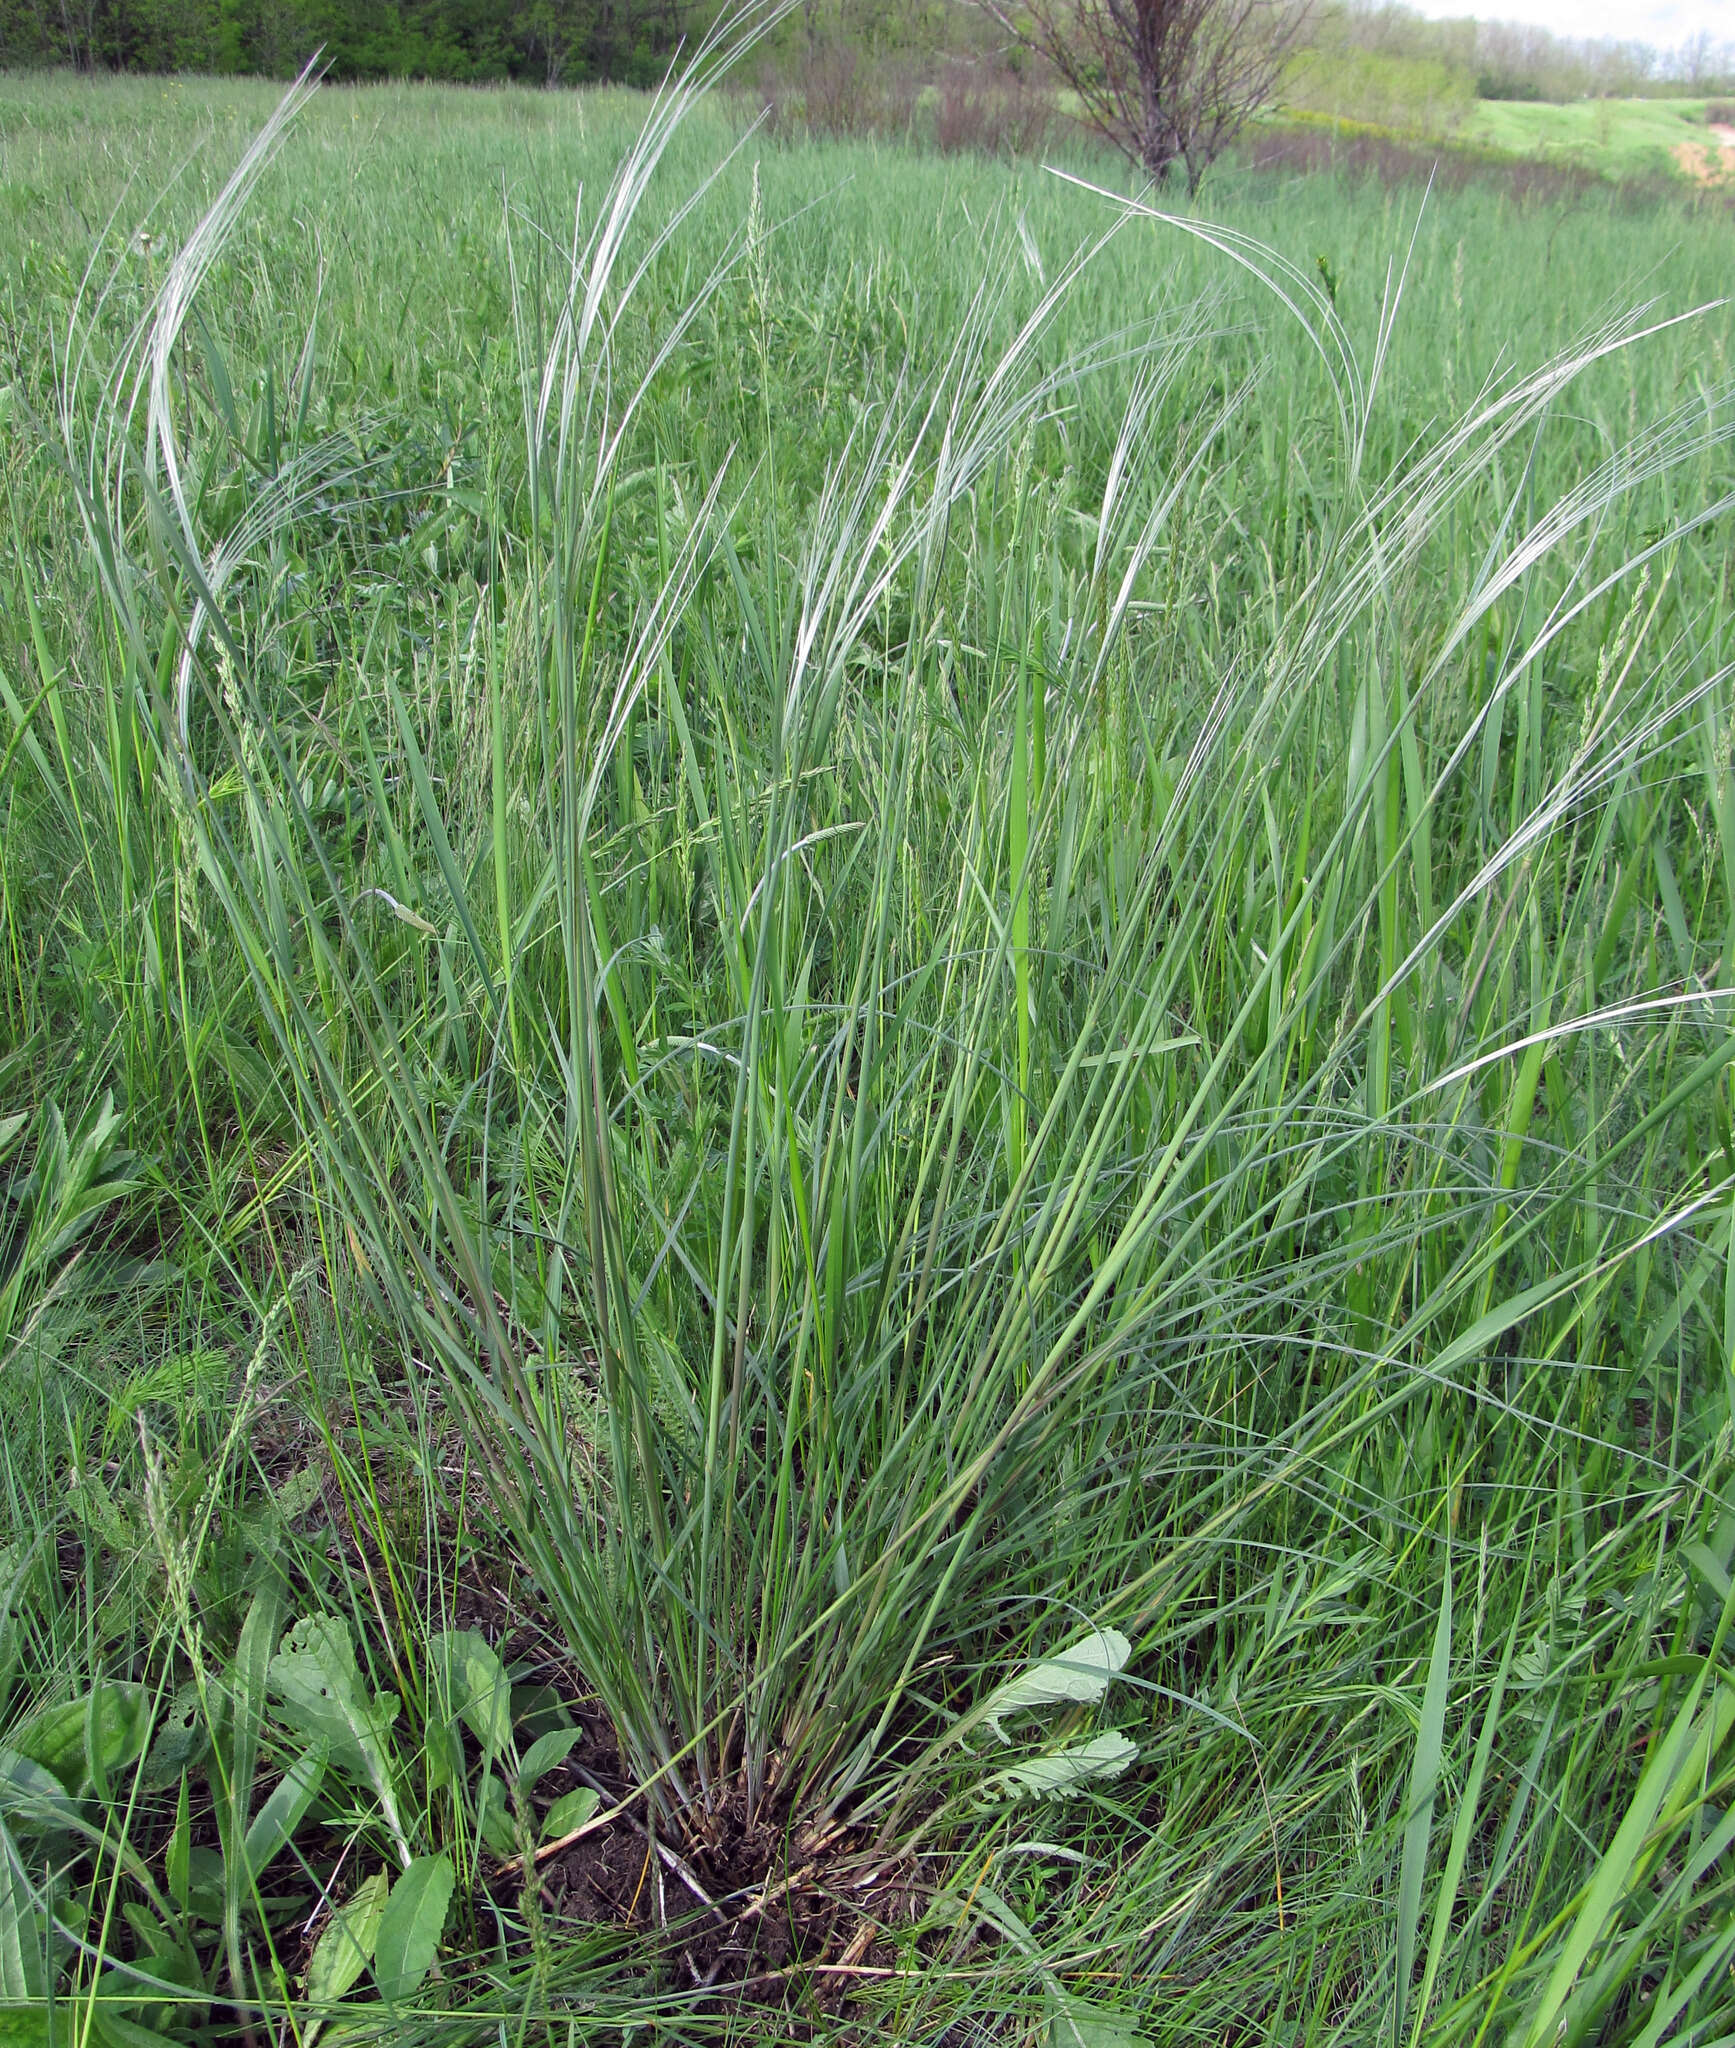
(1620, 138)
(1376, 60)
(1620, 110)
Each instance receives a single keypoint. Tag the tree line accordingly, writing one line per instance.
(467, 41)
(1513, 61)
(552, 42)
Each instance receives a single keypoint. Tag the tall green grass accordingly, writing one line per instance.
(952, 966)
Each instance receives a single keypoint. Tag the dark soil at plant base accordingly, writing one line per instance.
(749, 1911)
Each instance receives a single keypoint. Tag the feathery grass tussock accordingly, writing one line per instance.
(865, 1053)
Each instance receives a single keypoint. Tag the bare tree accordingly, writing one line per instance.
(1169, 82)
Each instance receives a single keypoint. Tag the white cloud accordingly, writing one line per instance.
(1665, 24)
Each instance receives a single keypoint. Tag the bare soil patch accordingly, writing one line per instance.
(1713, 162)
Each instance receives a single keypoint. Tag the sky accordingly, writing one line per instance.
(1665, 24)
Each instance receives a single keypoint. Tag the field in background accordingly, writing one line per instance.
(1043, 972)
(1615, 138)
(1511, 95)
(1646, 153)
(1654, 143)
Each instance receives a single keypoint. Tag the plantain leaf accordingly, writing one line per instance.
(117, 1725)
(544, 1753)
(113, 2030)
(81, 1741)
(23, 1969)
(243, 1711)
(346, 1947)
(473, 1683)
(410, 1927)
(207, 1883)
(319, 1689)
(570, 1813)
(32, 1798)
(177, 1863)
(1078, 2023)
(282, 1812)
(182, 1739)
(493, 1822)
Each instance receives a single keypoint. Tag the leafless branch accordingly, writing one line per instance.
(1168, 82)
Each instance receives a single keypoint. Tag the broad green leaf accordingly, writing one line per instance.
(474, 1686)
(32, 1798)
(1064, 1771)
(1078, 1674)
(163, 1947)
(177, 1870)
(117, 1725)
(410, 1927)
(83, 1740)
(493, 1822)
(182, 1739)
(1078, 2023)
(314, 1676)
(297, 1493)
(569, 1813)
(54, 1738)
(544, 1753)
(442, 1754)
(346, 1947)
(1424, 1777)
(277, 1820)
(244, 1693)
(114, 2030)
(23, 1970)
(538, 1710)
(207, 1882)
(320, 1692)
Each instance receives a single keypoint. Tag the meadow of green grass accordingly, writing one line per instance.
(865, 1067)
(1614, 138)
